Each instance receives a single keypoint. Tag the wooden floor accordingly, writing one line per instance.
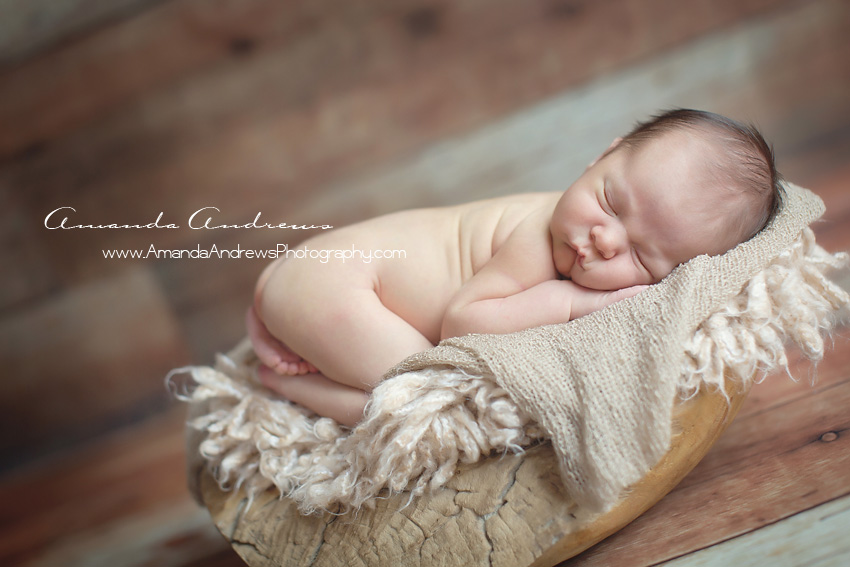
(316, 112)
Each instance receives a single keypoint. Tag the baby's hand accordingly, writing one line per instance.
(588, 300)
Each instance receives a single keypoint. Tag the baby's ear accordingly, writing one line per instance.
(610, 149)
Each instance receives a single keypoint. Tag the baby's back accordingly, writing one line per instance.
(417, 260)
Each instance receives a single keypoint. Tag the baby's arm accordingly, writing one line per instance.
(518, 289)
(546, 303)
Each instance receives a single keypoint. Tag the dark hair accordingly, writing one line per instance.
(750, 167)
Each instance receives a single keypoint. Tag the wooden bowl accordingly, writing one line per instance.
(504, 511)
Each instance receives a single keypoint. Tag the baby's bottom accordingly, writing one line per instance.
(333, 318)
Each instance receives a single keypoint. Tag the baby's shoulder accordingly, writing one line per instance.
(521, 201)
(510, 209)
(485, 226)
(500, 216)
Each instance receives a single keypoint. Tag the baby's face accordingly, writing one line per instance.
(633, 216)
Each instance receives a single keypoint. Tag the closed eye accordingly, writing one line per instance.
(607, 198)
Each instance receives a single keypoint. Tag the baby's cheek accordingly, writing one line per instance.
(564, 259)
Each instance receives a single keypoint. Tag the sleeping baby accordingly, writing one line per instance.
(683, 184)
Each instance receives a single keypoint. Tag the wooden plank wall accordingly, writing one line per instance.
(30, 26)
(325, 112)
(252, 107)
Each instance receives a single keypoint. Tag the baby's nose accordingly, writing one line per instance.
(606, 241)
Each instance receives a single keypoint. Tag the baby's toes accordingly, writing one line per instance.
(285, 368)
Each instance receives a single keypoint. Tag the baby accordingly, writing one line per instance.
(683, 184)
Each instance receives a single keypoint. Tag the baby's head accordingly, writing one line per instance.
(685, 183)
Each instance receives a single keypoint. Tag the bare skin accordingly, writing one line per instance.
(326, 332)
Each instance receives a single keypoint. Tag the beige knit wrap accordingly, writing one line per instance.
(602, 387)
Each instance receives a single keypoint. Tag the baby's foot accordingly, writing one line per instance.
(272, 352)
(294, 368)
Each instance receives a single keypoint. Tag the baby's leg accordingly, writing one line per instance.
(327, 398)
(331, 316)
(271, 351)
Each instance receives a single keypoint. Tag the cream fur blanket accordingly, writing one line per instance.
(601, 388)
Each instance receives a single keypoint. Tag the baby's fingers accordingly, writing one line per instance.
(588, 301)
(610, 297)
(627, 292)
